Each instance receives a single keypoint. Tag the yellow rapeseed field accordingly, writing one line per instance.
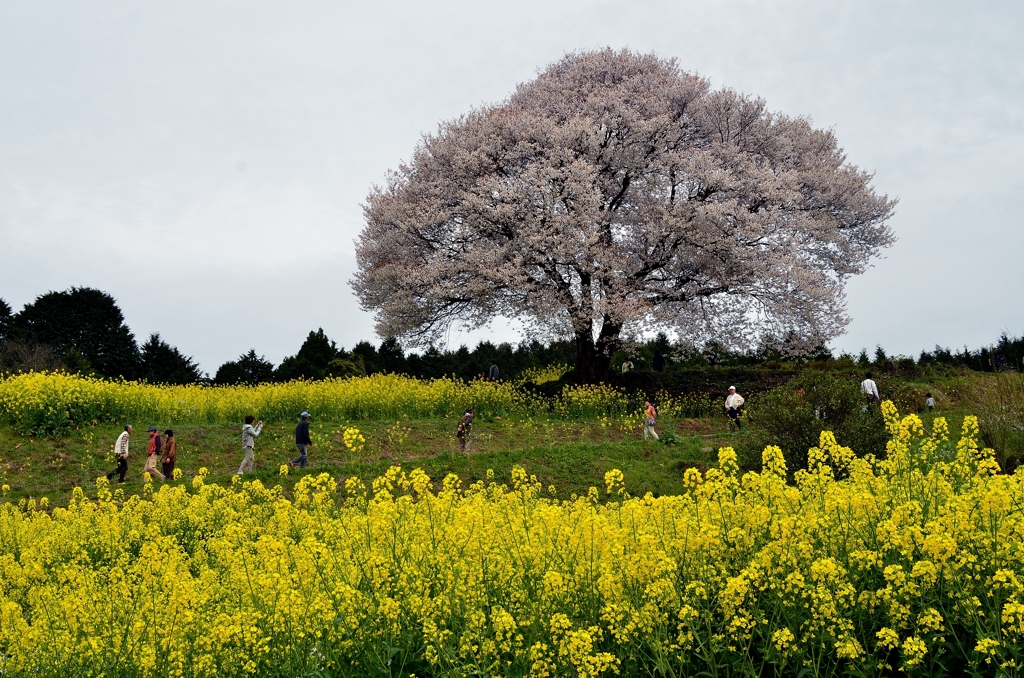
(909, 565)
(49, 403)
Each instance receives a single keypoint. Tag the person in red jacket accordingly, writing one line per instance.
(155, 448)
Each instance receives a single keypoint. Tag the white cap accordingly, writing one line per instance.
(732, 388)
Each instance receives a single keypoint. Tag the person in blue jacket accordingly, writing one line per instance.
(302, 441)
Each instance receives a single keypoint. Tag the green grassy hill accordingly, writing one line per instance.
(570, 456)
(569, 453)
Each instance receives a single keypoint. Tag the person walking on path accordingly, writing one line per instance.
(249, 433)
(302, 440)
(733, 402)
(929, 402)
(493, 374)
(869, 388)
(170, 454)
(465, 426)
(121, 454)
(650, 420)
(154, 453)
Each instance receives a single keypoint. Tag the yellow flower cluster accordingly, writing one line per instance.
(354, 440)
(593, 400)
(871, 567)
(541, 375)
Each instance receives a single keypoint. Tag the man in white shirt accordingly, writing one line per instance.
(627, 365)
(733, 402)
(121, 454)
(869, 388)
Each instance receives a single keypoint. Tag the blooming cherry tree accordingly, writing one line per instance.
(616, 194)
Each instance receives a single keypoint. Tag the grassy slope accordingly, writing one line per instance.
(572, 456)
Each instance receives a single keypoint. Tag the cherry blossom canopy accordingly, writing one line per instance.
(616, 194)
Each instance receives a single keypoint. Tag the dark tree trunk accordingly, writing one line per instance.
(593, 358)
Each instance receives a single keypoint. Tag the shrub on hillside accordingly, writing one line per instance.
(999, 402)
(793, 416)
(905, 396)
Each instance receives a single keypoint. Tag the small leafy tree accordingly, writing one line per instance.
(793, 416)
(367, 352)
(162, 363)
(19, 357)
(248, 369)
(319, 357)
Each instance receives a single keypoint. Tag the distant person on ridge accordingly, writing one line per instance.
(733, 402)
(465, 426)
(302, 440)
(154, 453)
(650, 420)
(170, 454)
(493, 374)
(869, 388)
(249, 435)
(659, 362)
(121, 454)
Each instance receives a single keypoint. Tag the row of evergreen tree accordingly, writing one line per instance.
(83, 330)
(320, 357)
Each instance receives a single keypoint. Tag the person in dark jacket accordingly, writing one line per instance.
(303, 441)
(659, 362)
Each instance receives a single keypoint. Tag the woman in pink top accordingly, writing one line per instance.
(650, 419)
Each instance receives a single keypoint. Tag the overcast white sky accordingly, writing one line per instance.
(205, 161)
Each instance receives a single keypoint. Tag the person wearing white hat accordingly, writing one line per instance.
(733, 402)
(302, 441)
